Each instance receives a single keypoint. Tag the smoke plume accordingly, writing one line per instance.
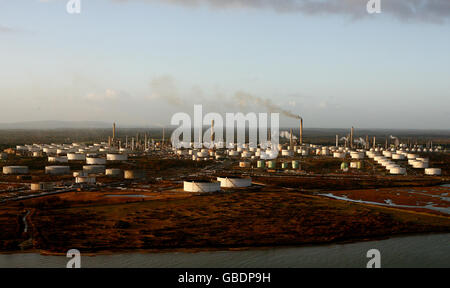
(246, 100)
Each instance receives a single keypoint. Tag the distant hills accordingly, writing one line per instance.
(45, 125)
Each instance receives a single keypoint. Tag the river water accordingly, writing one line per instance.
(411, 251)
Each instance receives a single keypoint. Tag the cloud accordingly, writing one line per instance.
(107, 95)
(5, 29)
(165, 88)
(423, 10)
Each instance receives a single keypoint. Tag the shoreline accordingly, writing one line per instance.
(223, 249)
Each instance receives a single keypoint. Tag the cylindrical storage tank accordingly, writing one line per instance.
(233, 153)
(387, 154)
(201, 186)
(398, 171)
(391, 166)
(85, 180)
(79, 173)
(202, 154)
(420, 165)
(116, 157)
(49, 150)
(271, 164)
(15, 170)
(58, 159)
(61, 151)
(287, 153)
(37, 154)
(244, 164)
(305, 152)
(398, 157)
(94, 169)
(433, 171)
(285, 165)
(295, 164)
(76, 157)
(261, 164)
(378, 158)
(325, 151)
(57, 170)
(339, 155)
(357, 155)
(113, 172)
(95, 161)
(411, 156)
(226, 182)
(42, 186)
(134, 174)
(246, 154)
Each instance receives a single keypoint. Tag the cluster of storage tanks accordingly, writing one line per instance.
(384, 157)
(94, 156)
(198, 186)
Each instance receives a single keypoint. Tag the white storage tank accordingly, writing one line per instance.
(287, 153)
(42, 186)
(339, 154)
(95, 161)
(357, 155)
(411, 156)
(113, 172)
(202, 154)
(433, 171)
(76, 157)
(57, 159)
(398, 171)
(420, 165)
(116, 157)
(201, 186)
(134, 174)
(94, 169)
(244, 164)
(85, 180)
(234, 182)
(57, 170)
(398, 156)
(246, 154)
(15, 170)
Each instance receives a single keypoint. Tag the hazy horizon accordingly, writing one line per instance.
(139, 62)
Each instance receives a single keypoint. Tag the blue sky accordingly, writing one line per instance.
(138, 62)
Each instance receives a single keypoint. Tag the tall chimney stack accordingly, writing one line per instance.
(291, 142)
(301, 130)
(114, 131)
(163, 137)
(374, 142)
(351, 137)
(212, 133)
(337, 140)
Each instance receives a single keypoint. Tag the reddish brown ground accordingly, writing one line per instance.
(411, 196)
(262, 217)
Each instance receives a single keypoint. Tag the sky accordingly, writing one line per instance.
(137, 62)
